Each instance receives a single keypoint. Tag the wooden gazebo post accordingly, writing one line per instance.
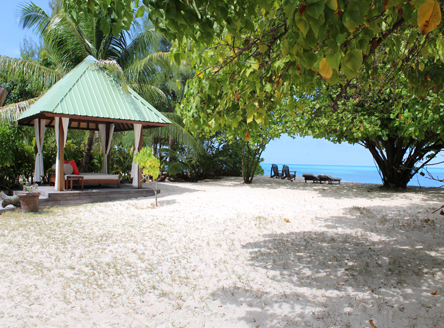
(108, 127)
(140, 148)
(61, 157)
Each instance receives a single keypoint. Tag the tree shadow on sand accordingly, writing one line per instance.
(344, 278)
(346, 189)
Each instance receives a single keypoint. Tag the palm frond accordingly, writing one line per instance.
(149, 92)
(147, 67)
(16, 69)
(177, 167)
(118, 45)
(140, 46)
(68, 41)
(33, 17)
(112, 67)
(177, 131)
(13, 111)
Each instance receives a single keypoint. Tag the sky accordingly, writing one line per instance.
(281, 151)
(12, 33)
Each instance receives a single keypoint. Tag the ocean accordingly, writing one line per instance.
(364, 174)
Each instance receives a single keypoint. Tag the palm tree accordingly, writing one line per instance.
(69, 43)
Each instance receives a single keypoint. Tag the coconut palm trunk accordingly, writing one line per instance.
(3, 94)
(88, 149)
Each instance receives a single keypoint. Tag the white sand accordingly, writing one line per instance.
(221, 254)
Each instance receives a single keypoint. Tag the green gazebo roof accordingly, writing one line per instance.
(89, 95)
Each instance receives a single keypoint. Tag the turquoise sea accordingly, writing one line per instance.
(365, 174)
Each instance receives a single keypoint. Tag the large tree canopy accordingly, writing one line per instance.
(402, 132)
(355, 62)
(267, 49)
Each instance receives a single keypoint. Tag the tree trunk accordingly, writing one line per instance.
(250, 161)
(396, 161)
(3, 94)
(171, 147)
(155, 146)
(88, 149)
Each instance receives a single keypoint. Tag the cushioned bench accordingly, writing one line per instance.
(89, 178)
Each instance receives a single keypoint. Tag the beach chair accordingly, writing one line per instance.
(329, 179)
(275, 171)
(309, 176)
(286, 173)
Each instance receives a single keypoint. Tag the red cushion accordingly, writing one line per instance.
(65, 162)
(75, 170)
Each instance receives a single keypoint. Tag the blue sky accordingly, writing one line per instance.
(308, 150)
(12, 33)
(284, 150)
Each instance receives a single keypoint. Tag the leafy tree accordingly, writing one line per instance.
(195, 164)
(16, 157)
(149, 164)
(29, 50)
(275, 52)
(314, 44)
(243, 129)
(229, 153)
(402, 132)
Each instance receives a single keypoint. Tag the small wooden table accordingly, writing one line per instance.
(71, 177)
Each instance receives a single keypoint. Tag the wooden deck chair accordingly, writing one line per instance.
(309, 176)
(286, 173)
(274, 173)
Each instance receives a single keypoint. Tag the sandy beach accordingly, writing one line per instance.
(219, 253)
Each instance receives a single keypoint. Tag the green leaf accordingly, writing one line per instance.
(223, 12)
(334, 60)
(353, 60)
(332, 4)
(350, 74)
(302, 24)
(440, 48)
(316, 24)
(417, 3)
(140, 12)
(177, 58)
(333, 79)
(250, 117)
(310, 59)
(341, 38)
(105, 26)
(171, 10)
(315, 9)
(348, 21)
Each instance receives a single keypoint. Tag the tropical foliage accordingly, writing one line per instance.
(16, 157)
(149, 164)
(136, 54)
(326, 60)
(402, 132)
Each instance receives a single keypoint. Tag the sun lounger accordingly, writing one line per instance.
(329, 179)
(274, 173)
(286, 173)
(309, 176)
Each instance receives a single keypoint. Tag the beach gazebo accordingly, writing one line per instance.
(89, 98)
